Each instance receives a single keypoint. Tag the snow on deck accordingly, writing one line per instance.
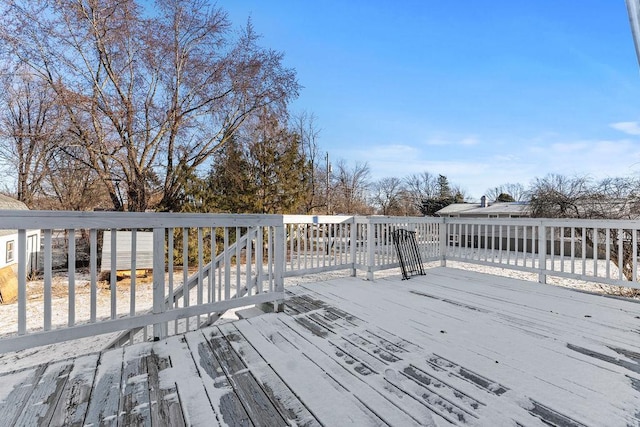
(453, 347)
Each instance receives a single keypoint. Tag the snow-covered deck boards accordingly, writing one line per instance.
(451, 347)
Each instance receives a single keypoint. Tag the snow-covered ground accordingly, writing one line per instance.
(30, 357)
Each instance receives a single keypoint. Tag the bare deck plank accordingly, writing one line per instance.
(165, 406)
(331, 403)
(219, 389)
(19, 385)
(105, 397)
(185, 376)
(135, 402)
(72, 406)
(255, 401)
(41, 403)
(278, 391)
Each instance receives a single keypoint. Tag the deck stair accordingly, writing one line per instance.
(141, 333)
(248, 313)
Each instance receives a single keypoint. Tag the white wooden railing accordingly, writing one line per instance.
(602, 251)
(316, 244)
(234, 261)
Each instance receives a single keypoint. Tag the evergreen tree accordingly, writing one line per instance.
(230, 186)
(444, 198)
(444, 190)
(279, 167)
(264, 172)
(504, 197)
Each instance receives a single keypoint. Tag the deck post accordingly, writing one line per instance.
(279, 249)
(159, 329)
(371, 246)
(542, 253)
(353, 244)
(443, 242)
(22, 281)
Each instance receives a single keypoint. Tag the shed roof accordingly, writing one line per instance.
(9, 203)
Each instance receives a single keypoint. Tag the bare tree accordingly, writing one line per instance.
(517, 192)
(71, 185)
(386, 195)
(459, 194)
(305, 125)
(406, 202)
(349, 189)
(150, 98)
(421, 187)
(557, 196)
(30, 126)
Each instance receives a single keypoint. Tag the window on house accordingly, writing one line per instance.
(10, 251)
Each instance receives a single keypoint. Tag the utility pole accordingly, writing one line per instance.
(328, 184)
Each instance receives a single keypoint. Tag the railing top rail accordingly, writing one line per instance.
(503, 221)
(16, 219)
(591, 223)
(553, 222)
(20, 219)
(317, 219)
(398, 219)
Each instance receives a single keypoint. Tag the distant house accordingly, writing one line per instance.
(485, 210)
(9, 239)
(469, 238)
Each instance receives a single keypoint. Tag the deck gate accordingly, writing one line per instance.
(408, 253)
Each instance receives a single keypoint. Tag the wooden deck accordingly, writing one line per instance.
(452, 347)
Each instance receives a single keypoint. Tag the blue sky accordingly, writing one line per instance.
(485, 92)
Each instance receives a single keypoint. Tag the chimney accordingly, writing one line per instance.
(483, 201)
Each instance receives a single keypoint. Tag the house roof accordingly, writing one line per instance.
(457, 208)
(475, 209)
(504, 208)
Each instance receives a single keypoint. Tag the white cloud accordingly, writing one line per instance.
(445, 140)
(505, 160)
(570, 147)
(471, 140)
(630, 128)
(437, 141)
(596, 158)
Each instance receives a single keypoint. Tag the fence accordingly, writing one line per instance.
(204, 264)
